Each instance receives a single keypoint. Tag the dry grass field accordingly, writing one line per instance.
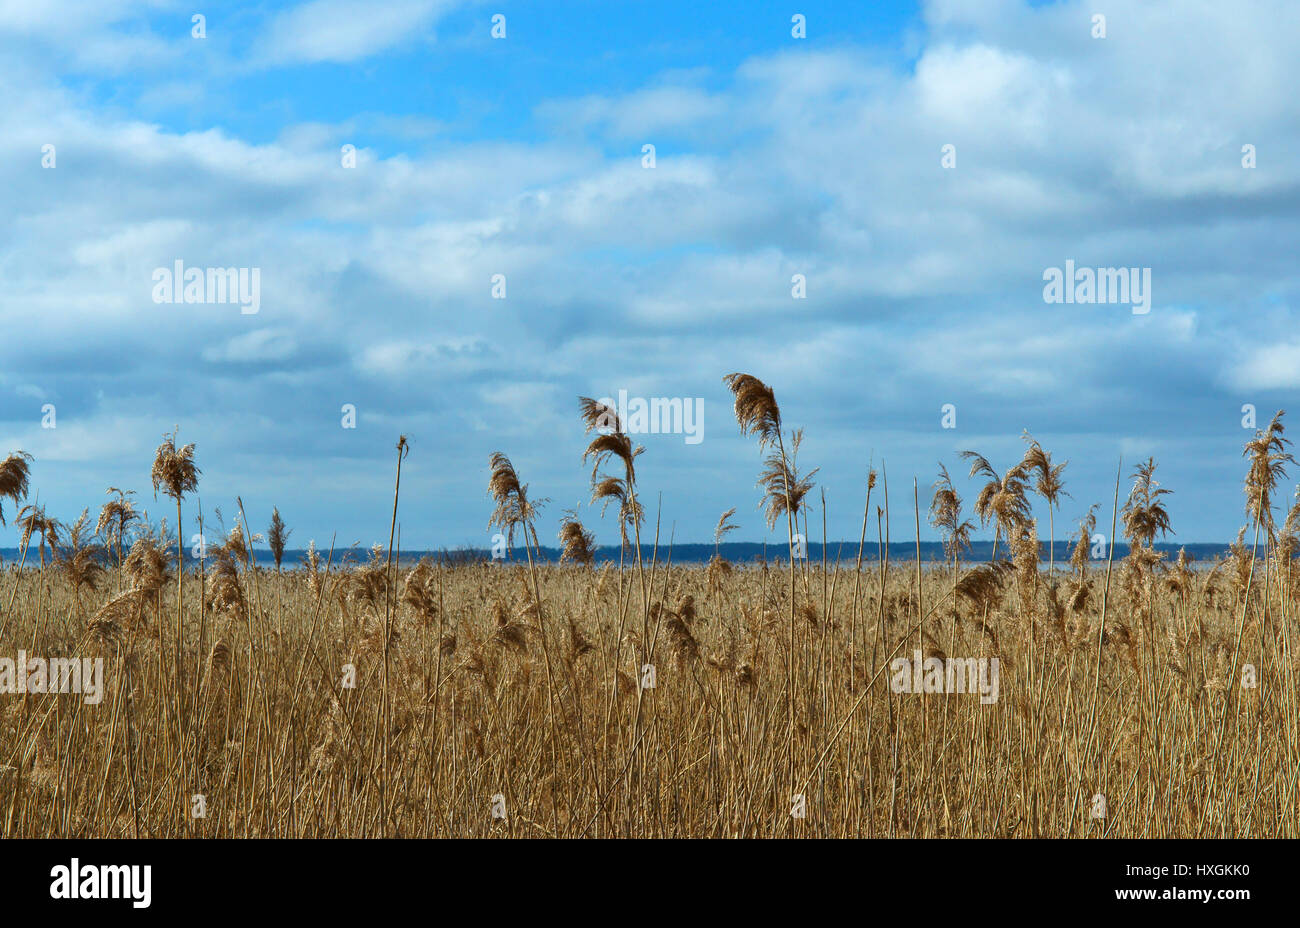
(352, 697)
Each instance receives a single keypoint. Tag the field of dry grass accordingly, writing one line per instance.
(266, 731)
(354, 696)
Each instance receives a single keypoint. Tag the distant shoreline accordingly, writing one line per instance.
(736, 552)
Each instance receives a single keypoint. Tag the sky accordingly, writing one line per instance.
(775, 155)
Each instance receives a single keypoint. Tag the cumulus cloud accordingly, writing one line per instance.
(258, 345)
(1273, 366)
(341, 31)
(924, 285)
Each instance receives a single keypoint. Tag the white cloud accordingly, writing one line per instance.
(639, 115)
(1267, 367)
(258, 345)
(924, 285)
(343, 31)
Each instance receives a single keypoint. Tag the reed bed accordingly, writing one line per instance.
(348, 696)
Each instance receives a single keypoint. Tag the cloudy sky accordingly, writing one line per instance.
(523, 156)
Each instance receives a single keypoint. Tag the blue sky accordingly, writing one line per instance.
(522, 156)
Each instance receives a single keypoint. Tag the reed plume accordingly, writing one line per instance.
(148, 564)
(724, 526)
(1025, 555)
(945, 515)
(1087, 526)
(225, 589)
(599, 416)
(174, 470)
(420, 591)
(276, 536)
(175, 473)
(79, 558)
(1268, 459)
(1288, 540)
(1144, 514)
(111, 618)
(114, 517)
(756, 408)
(15, 475)
(311, 566)
(366, 584)
(612, 441)
(784, 489)
(1179, 579)
(578, 544)
(1047, 484)
(982, 585)
(1287, 549)
(514, 510)
(1002, 499)
(615, 445)
(685, 647)
(33, 520)
(757, 412)
(631, 516)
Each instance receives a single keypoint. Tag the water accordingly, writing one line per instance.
(696, 554)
